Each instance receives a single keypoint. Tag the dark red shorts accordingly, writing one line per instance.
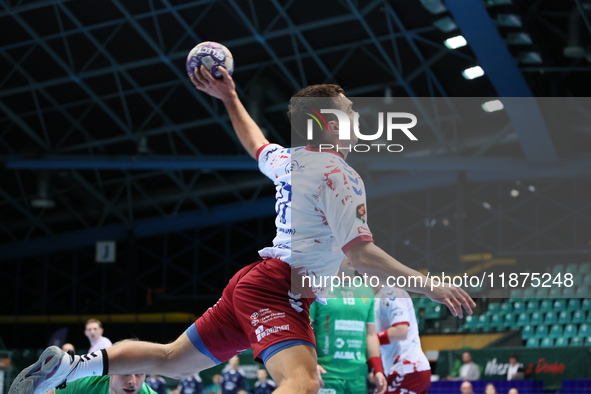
(411, 383)
(257, 310)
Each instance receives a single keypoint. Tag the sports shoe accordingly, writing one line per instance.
(50, 371)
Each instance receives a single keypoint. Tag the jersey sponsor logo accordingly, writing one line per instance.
(349, 325)
(363, 230)
(344, 355)
(261, 332)
(268, 153)
(354, 343)
(289, 231)
(339, 343)
(360, 212)
(327, 391)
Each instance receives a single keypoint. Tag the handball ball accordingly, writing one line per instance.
(212, 55)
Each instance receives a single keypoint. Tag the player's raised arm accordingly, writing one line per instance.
(373, 261)
(248, 132)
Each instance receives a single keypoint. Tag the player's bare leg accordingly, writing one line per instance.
(175, 360)
(294, 370)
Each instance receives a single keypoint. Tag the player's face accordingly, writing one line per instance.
(347, 107)
(127, 384)
(93, 331)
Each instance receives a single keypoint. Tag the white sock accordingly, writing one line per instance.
(91, 364)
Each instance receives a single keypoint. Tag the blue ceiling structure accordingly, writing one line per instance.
(98, 116)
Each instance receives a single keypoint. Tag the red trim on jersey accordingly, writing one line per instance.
(399, 323)
(334, 152)
(355, 241)
(375, 364)
(384, 338)
(260, 150)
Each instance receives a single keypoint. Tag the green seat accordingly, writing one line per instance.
(516, 293)
(554, 292)
(470, 323)
(558, 268)
(586, 304)
(529, 292)
(561, 342)
(570, 330)
(576, 341)
(558, 305)
(573, 304)
(496, 322)
(532, 342)
(587, 279)
(509, 320)
(588, 319)
(484, 323)
(550, 318)
(506, 307)
(541, 292)
(519, 306)
(434, 312)
(545, 306)
(494, 307)
(582, 292)
(578, 317)
(564, 317)
(572, 268)
(541, 331)
(522, 319)
(585, 268)
(532, 306)
(547, 342)
(536, 318)
(555, 331)
(584, 330)
(568, 292)
(527, 332)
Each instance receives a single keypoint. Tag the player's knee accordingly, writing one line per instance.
(303, 385)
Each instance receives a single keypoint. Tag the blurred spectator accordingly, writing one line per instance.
(515, 370)
(216, 387)
(513, 391)
(469, 370)
(94, 333)
(233, 378)
(490, 389)
(242, 391)
(190, 385)
(466, 388)
(156, 383)
(264, 385)
(66, 347)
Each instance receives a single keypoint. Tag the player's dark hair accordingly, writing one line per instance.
(314, 97)
(513, 355)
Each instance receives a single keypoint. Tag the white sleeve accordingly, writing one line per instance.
(342, 200)
(398, 311)
(272, 160)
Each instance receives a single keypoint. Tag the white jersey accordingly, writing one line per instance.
(320, 206)
(101, 343)
(394, 306)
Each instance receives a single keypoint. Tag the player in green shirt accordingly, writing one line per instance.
(346, 339)
(116, 384)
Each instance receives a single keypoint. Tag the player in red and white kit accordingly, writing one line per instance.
(406, 366)
(260, 307)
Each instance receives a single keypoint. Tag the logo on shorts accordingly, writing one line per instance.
(261, 332)
(254, 315)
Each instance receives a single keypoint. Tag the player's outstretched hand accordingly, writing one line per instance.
(454, 298)
(224, 88)
(380, 382)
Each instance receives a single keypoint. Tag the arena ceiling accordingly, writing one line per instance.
(102, 132)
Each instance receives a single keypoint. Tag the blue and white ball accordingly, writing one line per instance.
(212, 55)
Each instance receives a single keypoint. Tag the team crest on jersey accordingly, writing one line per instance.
(294, 166)
(360, 212)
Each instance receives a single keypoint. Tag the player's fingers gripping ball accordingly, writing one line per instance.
(212, 55)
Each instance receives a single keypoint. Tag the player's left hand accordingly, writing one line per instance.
(381, 383)
(223, 89)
